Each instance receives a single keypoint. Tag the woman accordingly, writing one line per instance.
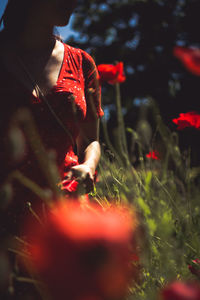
(56, 82)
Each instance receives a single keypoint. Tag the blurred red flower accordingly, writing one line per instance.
(195, 267)
(84, 252)
(154, 155)
(178, 290)
(189, 119)
(111, 73)
(190, 57)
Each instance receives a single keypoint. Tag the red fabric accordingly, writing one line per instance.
(70, 99)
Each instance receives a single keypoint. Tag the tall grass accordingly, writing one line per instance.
(164, 192)
(166, 195)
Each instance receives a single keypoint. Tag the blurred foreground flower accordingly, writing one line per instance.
(189, 57)
(195, 267)
(181, 291)
(189, 119)
(153, 155)
(84, 252)
(111, 73)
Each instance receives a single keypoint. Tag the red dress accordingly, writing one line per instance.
(70, 101)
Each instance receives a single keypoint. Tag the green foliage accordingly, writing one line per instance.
(169, 215)
(165, 194)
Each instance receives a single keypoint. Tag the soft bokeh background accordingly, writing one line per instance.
(142, 34)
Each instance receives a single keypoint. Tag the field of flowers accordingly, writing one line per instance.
(136, 236)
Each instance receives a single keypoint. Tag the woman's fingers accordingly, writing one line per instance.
(83, 175)
(88, 184)
(69, 175)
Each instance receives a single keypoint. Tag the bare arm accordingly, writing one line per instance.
(89, 154)
(88, 145)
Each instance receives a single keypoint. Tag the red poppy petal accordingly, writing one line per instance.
(111, 73)
(189, 57)
(153, 154)
(189, 119)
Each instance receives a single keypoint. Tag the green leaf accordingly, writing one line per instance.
(144, 207)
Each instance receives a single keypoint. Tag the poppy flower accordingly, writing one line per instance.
(190, 57)
(69, 186)
(111, 73)
(71, 160)
(84, 252)
(72, 186)
(195, 267)
(181, 291)
(189, 119)
(153, 155)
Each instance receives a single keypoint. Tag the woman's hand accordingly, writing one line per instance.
(83, 175)
(89, 154)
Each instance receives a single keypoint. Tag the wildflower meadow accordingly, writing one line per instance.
(135, 236)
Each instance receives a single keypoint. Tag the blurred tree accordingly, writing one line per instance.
(142, 34)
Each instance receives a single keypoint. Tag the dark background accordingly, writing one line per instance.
(143, 34)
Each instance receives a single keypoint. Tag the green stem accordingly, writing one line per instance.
(36, 189)
(121, 127)
(28, 280)
(171, 147)
(21, 241)
(108, 142)
(48, 167)
(34, 213)
(104, 178)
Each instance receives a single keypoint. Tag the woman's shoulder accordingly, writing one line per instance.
(84, 56)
